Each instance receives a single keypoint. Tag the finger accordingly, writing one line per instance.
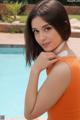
(53, 60)
(52, 57)
(50, 54)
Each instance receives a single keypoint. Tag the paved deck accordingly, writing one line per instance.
(74, 44)
(11, 39)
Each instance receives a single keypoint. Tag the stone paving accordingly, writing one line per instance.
(12, 39)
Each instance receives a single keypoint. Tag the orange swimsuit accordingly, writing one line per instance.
(68, 106)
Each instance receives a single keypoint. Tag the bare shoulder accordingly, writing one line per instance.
(61, 72)
(53, 88)
(61, 68)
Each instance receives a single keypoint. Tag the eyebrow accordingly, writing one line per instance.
(45, 25)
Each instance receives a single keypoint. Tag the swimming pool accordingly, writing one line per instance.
(14, 76)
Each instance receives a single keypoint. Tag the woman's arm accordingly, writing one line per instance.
(45, 59)
(32, 92)
(56, 83)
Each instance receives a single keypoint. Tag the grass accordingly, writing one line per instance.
(23, 18)
(74, 16)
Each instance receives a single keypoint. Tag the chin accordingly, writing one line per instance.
(48, 50)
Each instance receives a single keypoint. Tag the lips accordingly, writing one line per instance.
(46, 44)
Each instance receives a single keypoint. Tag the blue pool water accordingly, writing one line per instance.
(14, 76)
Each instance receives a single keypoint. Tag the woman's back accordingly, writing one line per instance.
(68, 106)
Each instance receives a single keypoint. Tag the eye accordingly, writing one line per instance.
(47, 29)
(35, 32)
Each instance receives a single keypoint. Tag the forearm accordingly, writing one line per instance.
(32, 91)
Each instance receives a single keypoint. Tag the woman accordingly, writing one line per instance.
(47, 31)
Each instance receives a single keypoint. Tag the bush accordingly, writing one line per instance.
(8, 12)
(16, 30)
(13, 9)
(3, 12)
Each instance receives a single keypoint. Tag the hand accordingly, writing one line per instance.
(44, 60)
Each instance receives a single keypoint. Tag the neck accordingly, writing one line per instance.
(63, 46)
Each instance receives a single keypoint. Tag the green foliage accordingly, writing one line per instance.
(74, 16)
(3, 12)
(8, 12)
(16, 30)
(13, 9)
(23, 18)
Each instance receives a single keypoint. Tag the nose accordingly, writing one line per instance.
(42, 37)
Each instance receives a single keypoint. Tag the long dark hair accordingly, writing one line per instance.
(54, 13)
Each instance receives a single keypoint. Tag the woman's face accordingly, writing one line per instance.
(45, 35)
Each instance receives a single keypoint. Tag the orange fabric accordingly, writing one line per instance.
(68, 106)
